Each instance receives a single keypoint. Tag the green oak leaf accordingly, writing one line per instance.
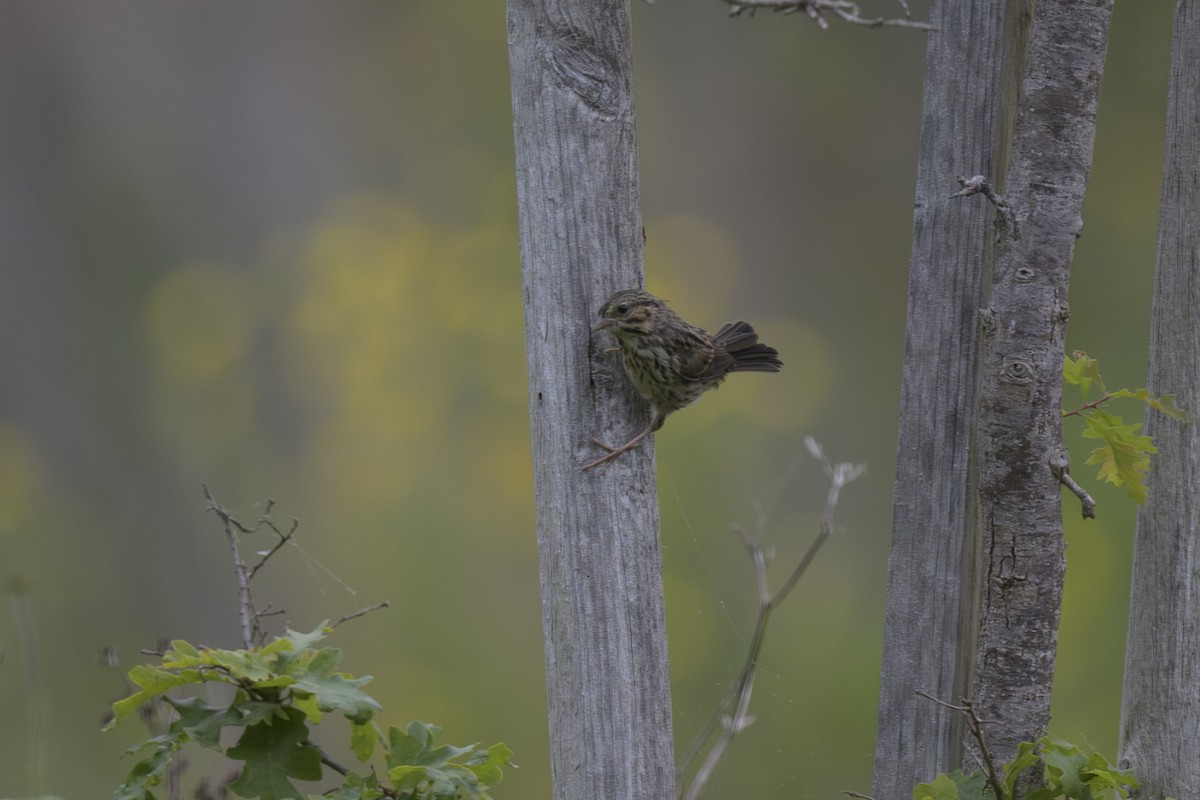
(488, 765)
(412, 747)
(154, 681)
(415, 765)
(1026, 757)
(304, 641)
(356, 787)
(1083, 372)
(241, 664)
(274, 752)
(183, 654)
(1124, 457)
(940, 788)
(202, 722)
(309, 705)
(259, 711)
(363, 740)
(1064, 763)
(149, 772)
(1164, 403)
(1101, 774)
(335, 691)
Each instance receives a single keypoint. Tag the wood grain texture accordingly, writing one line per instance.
(928, 641)
(581, 239)
(1160, 714)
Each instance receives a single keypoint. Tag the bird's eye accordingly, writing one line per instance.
(623, 308)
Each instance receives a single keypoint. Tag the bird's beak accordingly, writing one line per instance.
(604, 324)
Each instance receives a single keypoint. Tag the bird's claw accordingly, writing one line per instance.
(610, 454)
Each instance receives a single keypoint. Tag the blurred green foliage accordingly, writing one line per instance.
(272, 248)
(1068, 772)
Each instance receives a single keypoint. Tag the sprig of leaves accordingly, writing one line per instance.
(1124, 454)
(281, 689)
(1068, 773)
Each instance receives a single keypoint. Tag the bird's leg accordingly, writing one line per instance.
(613, 452)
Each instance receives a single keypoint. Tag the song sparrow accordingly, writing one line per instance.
(672, 363)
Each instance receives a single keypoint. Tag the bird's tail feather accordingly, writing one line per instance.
(742, 344)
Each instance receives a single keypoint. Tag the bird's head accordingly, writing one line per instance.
(630, 311)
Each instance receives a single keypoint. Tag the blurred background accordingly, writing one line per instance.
(271, 248)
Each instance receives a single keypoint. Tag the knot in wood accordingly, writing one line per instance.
(1016, 370)
(582, 66)
(1025, 275)
(1060, 462)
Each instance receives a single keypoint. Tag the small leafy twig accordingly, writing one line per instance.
(816, 9)
(975, 726)
(1086, 407)
(1124, 456)
(1047, 768)
(733, 716)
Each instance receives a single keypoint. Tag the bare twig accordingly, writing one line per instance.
(359, 613)
(975, 725)
(1060, 468)
(284, 538)
(1087, 505)
(1078, 412)
(845, 10)
(325, 759)
(246, 613)
(251, 616)
(979, 185)
(732, 716)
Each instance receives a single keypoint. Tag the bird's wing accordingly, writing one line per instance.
(698, 363)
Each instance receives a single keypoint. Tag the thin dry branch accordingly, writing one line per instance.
(325, 758)
(817, 9)
(1060, 467)
(361, 612)
(251, 628)
(733, 715)
(284, 538)
(975, 725)
(977, 184)
(250, 615)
